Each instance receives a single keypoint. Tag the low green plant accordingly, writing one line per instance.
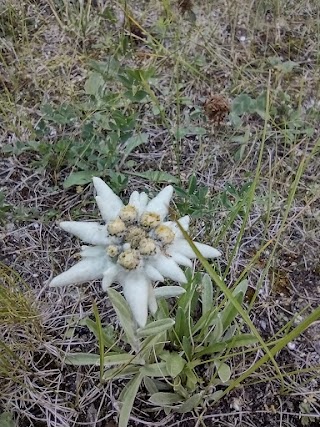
(288, 123)
(195, 200)
(245, 104)
(96, 136)
(167, 355)
(6, 420)
(198, 202)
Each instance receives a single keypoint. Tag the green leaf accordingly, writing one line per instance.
(187, 300)
(156, 110)
(230, 332)
(235, 119)
(181, 326)
(192, 185)
(217, 332)
(150, 385)
(79, 178)
(187, 347)
(274, 60)
(178, 388)
(155, 328)
(243, 104)
(215, 396)
(155, 370)
(229, 312)
(286, 66)
(163, 309)
(224, 371)
(81, 359)
(238, 155)
(213, 348)
(108, 69)
(152, 343)
(137, 96)
(18, 148)
(129, 395)
(100, 337)
(120, 372)
(120, 305)
(124, 314)
(242, 340)
(157, 176)
(63, 115)
(164, 399)
(261, 106)
(108, 341)
(175, 364)
(192, 379)
(94, 84)
(190, 404)
(205, 320)
(134, 142)
(207, 294)
(169, 291)
(120, 359)
(6, 420)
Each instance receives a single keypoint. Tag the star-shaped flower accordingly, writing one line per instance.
(135, 247)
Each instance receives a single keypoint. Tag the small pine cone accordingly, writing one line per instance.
(216, 108)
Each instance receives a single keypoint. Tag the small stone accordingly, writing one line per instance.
(291, 345)
(236, 404)
(263, 324)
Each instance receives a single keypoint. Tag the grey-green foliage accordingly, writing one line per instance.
(95, 135)
(198, 202)
(167, 352)
(285, 114)
(6, 420)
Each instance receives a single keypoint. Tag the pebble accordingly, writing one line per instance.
(291, 345)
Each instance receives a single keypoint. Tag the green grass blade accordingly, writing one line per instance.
(128, 397)
(222, 286)
(100, 337)
(298, 330)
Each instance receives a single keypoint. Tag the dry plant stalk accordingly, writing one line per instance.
(15, 306)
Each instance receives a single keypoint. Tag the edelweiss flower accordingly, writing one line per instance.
(134, 248)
